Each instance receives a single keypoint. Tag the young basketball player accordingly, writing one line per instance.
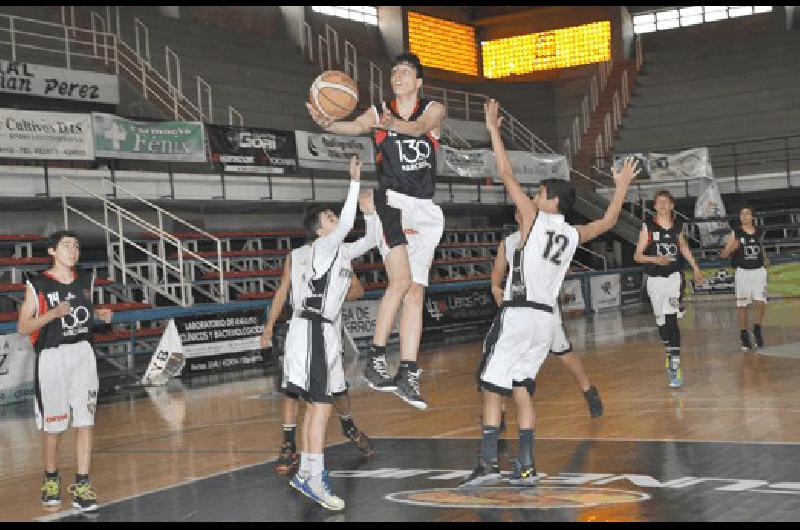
(320, 277)
(659, 243)
(289, 458)
(522, 333)
(57, 313)
(406, 139)
(560, 346)
(747, 246)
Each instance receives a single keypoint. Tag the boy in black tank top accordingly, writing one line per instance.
(746, 245)
(661, 244)
(406, 136)
(58, 314)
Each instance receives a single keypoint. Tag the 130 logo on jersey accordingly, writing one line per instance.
(667, 249)
(75, 322)
(750, 251)
(414, 154)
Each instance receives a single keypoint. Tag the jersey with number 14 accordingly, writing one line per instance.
(547, 256)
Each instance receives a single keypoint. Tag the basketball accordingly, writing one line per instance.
(334, 94)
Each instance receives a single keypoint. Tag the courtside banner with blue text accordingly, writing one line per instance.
(45, 135)
(168, 141)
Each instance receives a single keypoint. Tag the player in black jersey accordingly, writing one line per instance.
(747, 246)
(406, 137)
(660, 242)
(57, 314)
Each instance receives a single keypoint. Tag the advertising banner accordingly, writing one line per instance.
(169, 141)
(529, 168)
(359, 316)
(45, 135)
(709, 204)
(333, 152)
(571, 296)
(168, 360)
(61, 83)
(252, 150)
(605, 291)
(631, 288)
(458, 309)
(688, 164)
(16, 368)
(214, 342)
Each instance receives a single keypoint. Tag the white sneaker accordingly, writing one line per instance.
(320, 490)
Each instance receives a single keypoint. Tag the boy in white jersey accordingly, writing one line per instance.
(320, 277)
(522, 332)
(560, 345)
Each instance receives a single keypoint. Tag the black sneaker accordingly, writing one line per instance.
(361, 441)
(408, 388)
(594, 402)
(746, 344)
(758, 337)
(51, 491)
(482, 475)
(523, 475)
(376, 375)
(83, 498)
(288, 461)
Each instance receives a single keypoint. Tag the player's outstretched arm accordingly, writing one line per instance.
(730, 246)
(622, 179)
(366, 203)
(361, 125)
(523, 203)
(278, 302)
(431, 120)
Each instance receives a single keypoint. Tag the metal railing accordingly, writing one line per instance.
(233, 112)
(158, 273)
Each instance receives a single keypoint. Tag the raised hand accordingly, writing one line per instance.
(491, 111)
(355, 169)
(104, 314)
(366, 202)
(319, 118)
(630, 168)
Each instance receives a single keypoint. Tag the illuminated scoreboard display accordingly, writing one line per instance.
(442, 44)
(548, 50)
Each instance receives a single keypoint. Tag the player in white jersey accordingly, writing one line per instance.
(289, 458)
(321, 272)
(560, 345)
(522, 332)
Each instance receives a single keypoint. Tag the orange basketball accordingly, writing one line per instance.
(334, 94)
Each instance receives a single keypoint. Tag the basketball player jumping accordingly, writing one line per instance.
(57, 313)
(521, 335)
(560, 346)
(747, 246)
(659, 243)
(406, 138)
(321, 271)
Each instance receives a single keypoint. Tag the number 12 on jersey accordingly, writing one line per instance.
(559, 241)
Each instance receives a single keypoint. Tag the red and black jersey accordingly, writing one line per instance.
(750, 254)
(406, 164)
(663, 242)
(72, 328)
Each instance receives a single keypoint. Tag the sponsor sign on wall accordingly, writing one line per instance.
(45, 135)
(688, 164)
(605, 291)
(215, 342)
(333, 152)
(251, 150)
(631, 288)
(455, 309)
(170, 141)
(529, 168)
(359, 316)
(571, 296)
(62, 83)
(16, 368)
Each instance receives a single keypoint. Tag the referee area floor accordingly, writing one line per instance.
(724, 447)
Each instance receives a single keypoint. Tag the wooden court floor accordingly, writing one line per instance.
(188, 431)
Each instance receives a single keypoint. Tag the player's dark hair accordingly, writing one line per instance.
(563, 190)
(411, 59)
(664, 193)
(311, 221)
(55, 238)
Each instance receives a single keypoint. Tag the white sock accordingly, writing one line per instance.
(305, 464)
